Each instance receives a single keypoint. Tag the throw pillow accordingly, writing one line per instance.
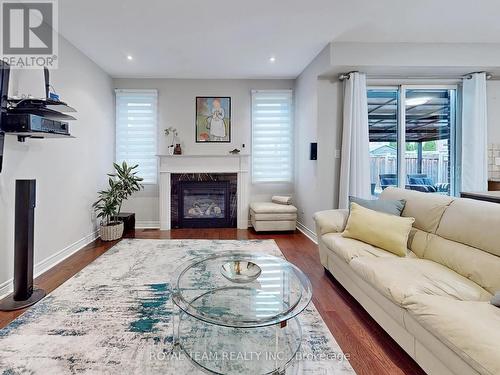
(428, 181)
(281, 199)
(379, 229)
(393, 207)
(495, 301)
(416, 181)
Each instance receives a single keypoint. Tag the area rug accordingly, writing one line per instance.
(115, 317)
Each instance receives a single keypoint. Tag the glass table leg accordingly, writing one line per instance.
(175, 327)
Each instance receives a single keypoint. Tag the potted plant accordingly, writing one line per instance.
(106, 208)
(122, 184)
(170, 131)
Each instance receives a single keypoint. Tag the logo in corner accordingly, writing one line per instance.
(29, 36)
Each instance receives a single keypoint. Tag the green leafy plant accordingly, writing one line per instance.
(107, 205)
(122, 184)
(128, 181)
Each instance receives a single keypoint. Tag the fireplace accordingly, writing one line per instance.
(175, 169)
(204, 204)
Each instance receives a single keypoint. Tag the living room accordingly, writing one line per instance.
(251, 188)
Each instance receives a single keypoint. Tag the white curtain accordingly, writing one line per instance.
(474, 134)
(355, 162)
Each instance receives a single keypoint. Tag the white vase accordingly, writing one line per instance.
(170, 150)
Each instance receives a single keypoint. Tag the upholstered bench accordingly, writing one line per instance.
(268, 216)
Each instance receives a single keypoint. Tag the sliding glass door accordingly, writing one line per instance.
(412, 138)
(383, 104)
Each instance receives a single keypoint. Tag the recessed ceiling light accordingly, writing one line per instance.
(410, 102)
(129, 57)
(272, 59)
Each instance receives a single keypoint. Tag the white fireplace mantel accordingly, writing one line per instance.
(229, 163)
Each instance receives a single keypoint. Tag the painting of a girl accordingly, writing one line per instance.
(213, 119)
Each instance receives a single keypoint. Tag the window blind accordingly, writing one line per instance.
(136, 131)
(272, 136)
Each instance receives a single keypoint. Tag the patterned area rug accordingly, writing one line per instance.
(115, 317)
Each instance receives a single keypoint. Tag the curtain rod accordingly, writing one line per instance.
(344, 76)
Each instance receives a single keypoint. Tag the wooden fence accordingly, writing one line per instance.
(434, 164)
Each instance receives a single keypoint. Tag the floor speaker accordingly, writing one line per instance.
(24, 294)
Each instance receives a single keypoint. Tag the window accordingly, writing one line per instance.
(272, 136)
(136, 131)
(412, 138)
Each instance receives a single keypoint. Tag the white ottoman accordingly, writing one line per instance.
(268, 216)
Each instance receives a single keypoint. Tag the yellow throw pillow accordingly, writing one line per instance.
(388, 232)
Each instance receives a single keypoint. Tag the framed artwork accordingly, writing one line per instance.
(213, 119)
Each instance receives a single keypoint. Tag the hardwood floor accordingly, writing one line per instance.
(371, 350)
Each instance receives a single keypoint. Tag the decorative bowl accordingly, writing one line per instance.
(240, 271)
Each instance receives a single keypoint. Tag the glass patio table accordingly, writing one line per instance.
(238, 312)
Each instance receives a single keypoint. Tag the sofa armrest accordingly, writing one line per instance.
(330, 221)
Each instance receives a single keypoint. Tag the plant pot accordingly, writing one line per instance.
(111, 232)
(178, 149)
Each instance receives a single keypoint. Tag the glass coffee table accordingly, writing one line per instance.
(237, 312)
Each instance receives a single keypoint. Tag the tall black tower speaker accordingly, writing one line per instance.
(24, 294)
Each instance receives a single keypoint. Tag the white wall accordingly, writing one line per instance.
(68, 171)
(314, 104)
(440, 57)
(177, 108)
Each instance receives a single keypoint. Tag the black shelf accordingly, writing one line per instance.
(30, 103)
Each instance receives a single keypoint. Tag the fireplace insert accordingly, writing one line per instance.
(204, 204)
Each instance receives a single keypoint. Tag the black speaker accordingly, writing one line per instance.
(2, 138)
(314, 151)
(24, 294)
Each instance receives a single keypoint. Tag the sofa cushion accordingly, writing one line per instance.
(470, 328)
(471, 222)
(348, 248)
(427, 209)
(479, 266)
(272, 208)
(388, 206)
(388, 232)
(400, 278)
(418, 241)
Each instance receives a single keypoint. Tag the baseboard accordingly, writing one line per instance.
(143, 224)
(6, 288)
(46, 264)
(307, 232)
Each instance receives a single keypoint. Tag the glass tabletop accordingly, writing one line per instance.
(205, 291)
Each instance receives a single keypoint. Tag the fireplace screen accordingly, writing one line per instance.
(204, 204)
(201, 203)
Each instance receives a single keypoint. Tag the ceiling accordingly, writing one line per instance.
(236, 38)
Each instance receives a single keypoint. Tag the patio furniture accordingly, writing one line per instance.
(421, 182)
(389, 179)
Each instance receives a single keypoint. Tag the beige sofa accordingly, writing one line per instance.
(435, 301)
